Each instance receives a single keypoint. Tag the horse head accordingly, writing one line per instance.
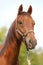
(25, 27)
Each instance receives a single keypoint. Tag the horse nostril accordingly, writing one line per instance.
(30, 41)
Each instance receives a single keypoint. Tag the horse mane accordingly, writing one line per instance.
(11, 34)
(9, 38)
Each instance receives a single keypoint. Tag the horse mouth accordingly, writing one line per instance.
(29, 46)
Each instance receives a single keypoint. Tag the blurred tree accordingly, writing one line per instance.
(34, 58)
(41, 58)
(2, 34)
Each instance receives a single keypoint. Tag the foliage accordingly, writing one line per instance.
(23, 55)
(2, 34)
(41, 58)
(34, 58)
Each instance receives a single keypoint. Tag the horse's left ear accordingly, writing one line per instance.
(30, 10)
(20, 9)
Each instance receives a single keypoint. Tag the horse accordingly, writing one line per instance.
(22, 29)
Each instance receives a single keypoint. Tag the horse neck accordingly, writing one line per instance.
(12, 45)
(12, 52)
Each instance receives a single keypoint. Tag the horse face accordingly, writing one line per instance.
(25, 24)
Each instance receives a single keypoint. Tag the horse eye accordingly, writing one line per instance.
(20, 22)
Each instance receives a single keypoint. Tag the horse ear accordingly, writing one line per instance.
(30, 10)
(20, 9)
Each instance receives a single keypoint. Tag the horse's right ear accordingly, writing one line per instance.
(20, 9)
(29, 10)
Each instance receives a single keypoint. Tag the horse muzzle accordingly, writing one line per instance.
(30, 43)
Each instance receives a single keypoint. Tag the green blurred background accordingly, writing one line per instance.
(36, 55)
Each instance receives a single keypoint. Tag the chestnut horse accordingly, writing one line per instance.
(22, 29)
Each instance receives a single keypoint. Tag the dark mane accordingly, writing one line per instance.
(9, 39)
(10, 35)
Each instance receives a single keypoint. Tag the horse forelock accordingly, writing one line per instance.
(24, 13)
